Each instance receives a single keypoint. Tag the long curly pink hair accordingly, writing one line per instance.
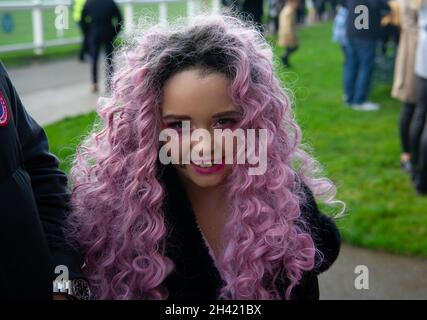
(118, 220)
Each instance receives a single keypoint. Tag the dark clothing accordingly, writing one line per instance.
(319, 6)
(376, 8)
(359, 68)
(33, 204)
(404, 125)
(95, 44)
(254, 8)
(287, 54)
(103, 20)
(361, 47)
(301, 12)
(195, 275)
(85, 42)
(418, 136)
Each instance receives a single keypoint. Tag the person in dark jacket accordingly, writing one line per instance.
(78, 6)
(155, 223)
(255, 10)
(33, 205)
(363, 32)
(103, 20)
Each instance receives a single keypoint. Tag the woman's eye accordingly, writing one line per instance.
(175, 125)
(225, 122)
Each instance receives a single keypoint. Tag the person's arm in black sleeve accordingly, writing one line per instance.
(49, 185)
(324, 232)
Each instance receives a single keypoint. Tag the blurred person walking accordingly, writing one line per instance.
(362, 43)
(78, 6)
(418, 131)
(103, 20)
(301, 12)
(339, 35)
(319, 6)
(287, 30)
(311, 12)
(274, 7)
(404, 75)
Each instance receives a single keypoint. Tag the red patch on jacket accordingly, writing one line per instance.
(4, 111)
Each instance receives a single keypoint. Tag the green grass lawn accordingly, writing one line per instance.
(360, 151)
(22, 33)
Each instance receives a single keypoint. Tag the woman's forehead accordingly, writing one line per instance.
(190, 92)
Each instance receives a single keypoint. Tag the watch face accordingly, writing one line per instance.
(81, 289)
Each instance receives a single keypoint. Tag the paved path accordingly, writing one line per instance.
(52, 91)
(59, 89)
(390, 276)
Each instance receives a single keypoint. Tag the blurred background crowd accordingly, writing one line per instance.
(394, 31)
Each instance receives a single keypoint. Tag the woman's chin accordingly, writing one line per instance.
(207, 183)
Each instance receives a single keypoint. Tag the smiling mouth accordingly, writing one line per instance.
(207, 168)
(208, 163)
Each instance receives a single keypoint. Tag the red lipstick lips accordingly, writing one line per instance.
(208, 170)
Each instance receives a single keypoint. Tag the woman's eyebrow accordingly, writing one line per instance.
(176, 117)
(232, 113)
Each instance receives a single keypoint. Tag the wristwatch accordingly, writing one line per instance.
(79, 289)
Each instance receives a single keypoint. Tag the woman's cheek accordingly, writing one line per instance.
(185, 150)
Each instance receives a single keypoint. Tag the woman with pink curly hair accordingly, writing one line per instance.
(199, 230)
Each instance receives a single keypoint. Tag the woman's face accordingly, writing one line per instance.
(203, 101)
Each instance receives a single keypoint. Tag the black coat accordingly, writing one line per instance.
(377, 9)
(195, 275)
(254, 8)
(33, 204)
(102, 19)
